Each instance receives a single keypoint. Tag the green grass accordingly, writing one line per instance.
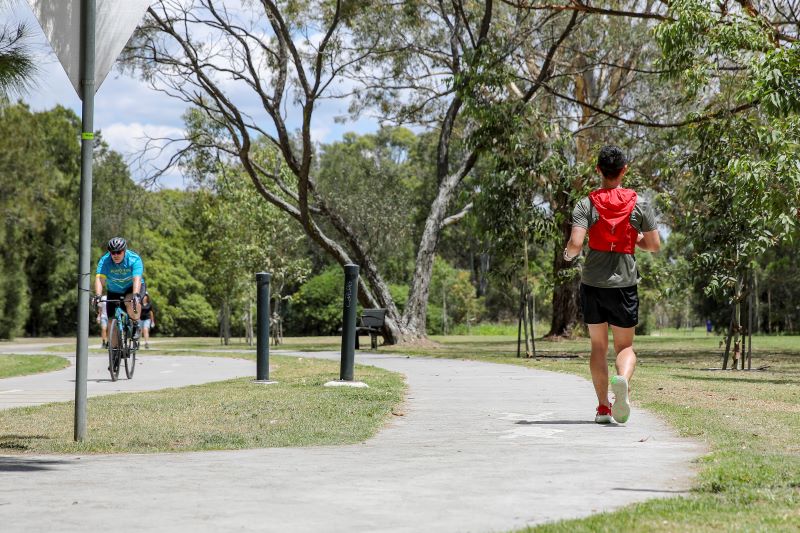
(234, 414)
(22, 365)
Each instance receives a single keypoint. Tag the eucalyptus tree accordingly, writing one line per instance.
(235, 233)
(289, 57)
(741, 179)
(582, 78)
(371, 179)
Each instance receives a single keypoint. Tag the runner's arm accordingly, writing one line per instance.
(650, 241)
(575, 243)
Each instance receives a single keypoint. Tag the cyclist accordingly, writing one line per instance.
(121, 272)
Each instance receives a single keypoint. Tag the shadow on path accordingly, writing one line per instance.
(22, 464)
(554, 422)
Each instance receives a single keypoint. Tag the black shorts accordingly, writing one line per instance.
(617, 306)
(111, 307)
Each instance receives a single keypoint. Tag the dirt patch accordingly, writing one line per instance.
(417, 343)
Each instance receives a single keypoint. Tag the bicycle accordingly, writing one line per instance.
(121, 344)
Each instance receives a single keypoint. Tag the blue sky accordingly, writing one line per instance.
(127, 111)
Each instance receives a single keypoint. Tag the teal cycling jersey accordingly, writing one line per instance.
(119, 277)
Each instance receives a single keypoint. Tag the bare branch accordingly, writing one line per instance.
(453, 219)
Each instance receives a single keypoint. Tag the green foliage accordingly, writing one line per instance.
(38, 236)
(236, 231)
(700, 39)
(17, 66)
(190, 315)
(776, 81)
(741, 196)
(452, 298)
(369, 178)
(737, 176)
(316, 309)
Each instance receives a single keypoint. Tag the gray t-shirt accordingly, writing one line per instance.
(612, 269)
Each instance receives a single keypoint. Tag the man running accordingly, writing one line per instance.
(121, 272)
(617, 221)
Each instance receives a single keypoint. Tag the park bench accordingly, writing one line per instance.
(371, 322)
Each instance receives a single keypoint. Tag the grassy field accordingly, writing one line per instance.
(298, 411)
(22, 365)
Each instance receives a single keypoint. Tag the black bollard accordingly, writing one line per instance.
(349, 322)
(262, 320)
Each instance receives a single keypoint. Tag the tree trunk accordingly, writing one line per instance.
(225, 324)
(565, 293)
(413, 321)
(249, 323)
(769, 310)
(483, 269)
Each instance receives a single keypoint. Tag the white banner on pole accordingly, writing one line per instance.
(61, 22)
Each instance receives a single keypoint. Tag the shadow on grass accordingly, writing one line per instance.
(738, 379)
(16, 443)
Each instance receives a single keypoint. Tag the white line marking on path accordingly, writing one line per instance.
(12, 390)
(538, 417)
(527, 431)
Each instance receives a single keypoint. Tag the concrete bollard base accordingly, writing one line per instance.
(343, 383)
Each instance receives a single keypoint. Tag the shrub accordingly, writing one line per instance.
(316, 309)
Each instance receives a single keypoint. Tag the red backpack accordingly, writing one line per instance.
(613, 231)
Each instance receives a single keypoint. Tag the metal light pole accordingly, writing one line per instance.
(84, 247)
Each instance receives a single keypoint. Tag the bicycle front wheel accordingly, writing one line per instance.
(114, 349)
(130, 356)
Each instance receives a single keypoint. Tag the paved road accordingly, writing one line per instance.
(480, 447)
(152, 372)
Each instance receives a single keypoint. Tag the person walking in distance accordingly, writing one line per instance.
(617, 221)
(102, 319)
(147, 319)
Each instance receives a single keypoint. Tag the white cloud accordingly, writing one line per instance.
(131, 138)
(128, 111)
(148, 149)
(320, 134)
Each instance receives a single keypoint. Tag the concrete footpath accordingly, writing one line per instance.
(152, 372)
(480, 447)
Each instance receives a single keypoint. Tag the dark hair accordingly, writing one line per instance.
(611, 161)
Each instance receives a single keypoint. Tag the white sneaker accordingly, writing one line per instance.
(621, 409)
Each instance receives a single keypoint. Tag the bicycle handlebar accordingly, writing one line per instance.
(96, 300)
